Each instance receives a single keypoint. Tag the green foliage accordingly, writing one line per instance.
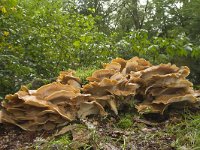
(125, 122)
(42, 37)
(177, 50)
(13, 74)
(37, 82)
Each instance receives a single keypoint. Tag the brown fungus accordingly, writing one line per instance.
(119, 83)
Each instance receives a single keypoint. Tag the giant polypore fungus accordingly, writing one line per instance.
(67, 77)
(162, 86)
(120, 82)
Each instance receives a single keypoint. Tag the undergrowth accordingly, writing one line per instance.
(176, 133)
(187, 132)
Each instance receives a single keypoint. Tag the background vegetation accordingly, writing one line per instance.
(39, 38)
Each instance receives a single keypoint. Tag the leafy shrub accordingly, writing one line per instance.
(40, 38)
(37, 82)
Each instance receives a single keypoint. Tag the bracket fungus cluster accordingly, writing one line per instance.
(120, 82)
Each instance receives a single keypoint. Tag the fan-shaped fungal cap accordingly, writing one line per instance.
(48, 89)
(120, 61)
(140, 61)
(62, 95)
(101, 74)
(118, 77)
(146, 108)
(99, 88)
(89, 108)
(124, 88)
(173, 98)
(64, 76)
(158, 70)
(112, 66)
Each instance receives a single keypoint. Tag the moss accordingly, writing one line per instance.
(125, 122)
(83, 73)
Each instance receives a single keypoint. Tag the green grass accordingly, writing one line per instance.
(187, 132)
(63, 142)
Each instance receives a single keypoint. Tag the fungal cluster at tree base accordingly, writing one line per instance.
(153, 89)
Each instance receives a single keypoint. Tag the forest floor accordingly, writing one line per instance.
(135, 132)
